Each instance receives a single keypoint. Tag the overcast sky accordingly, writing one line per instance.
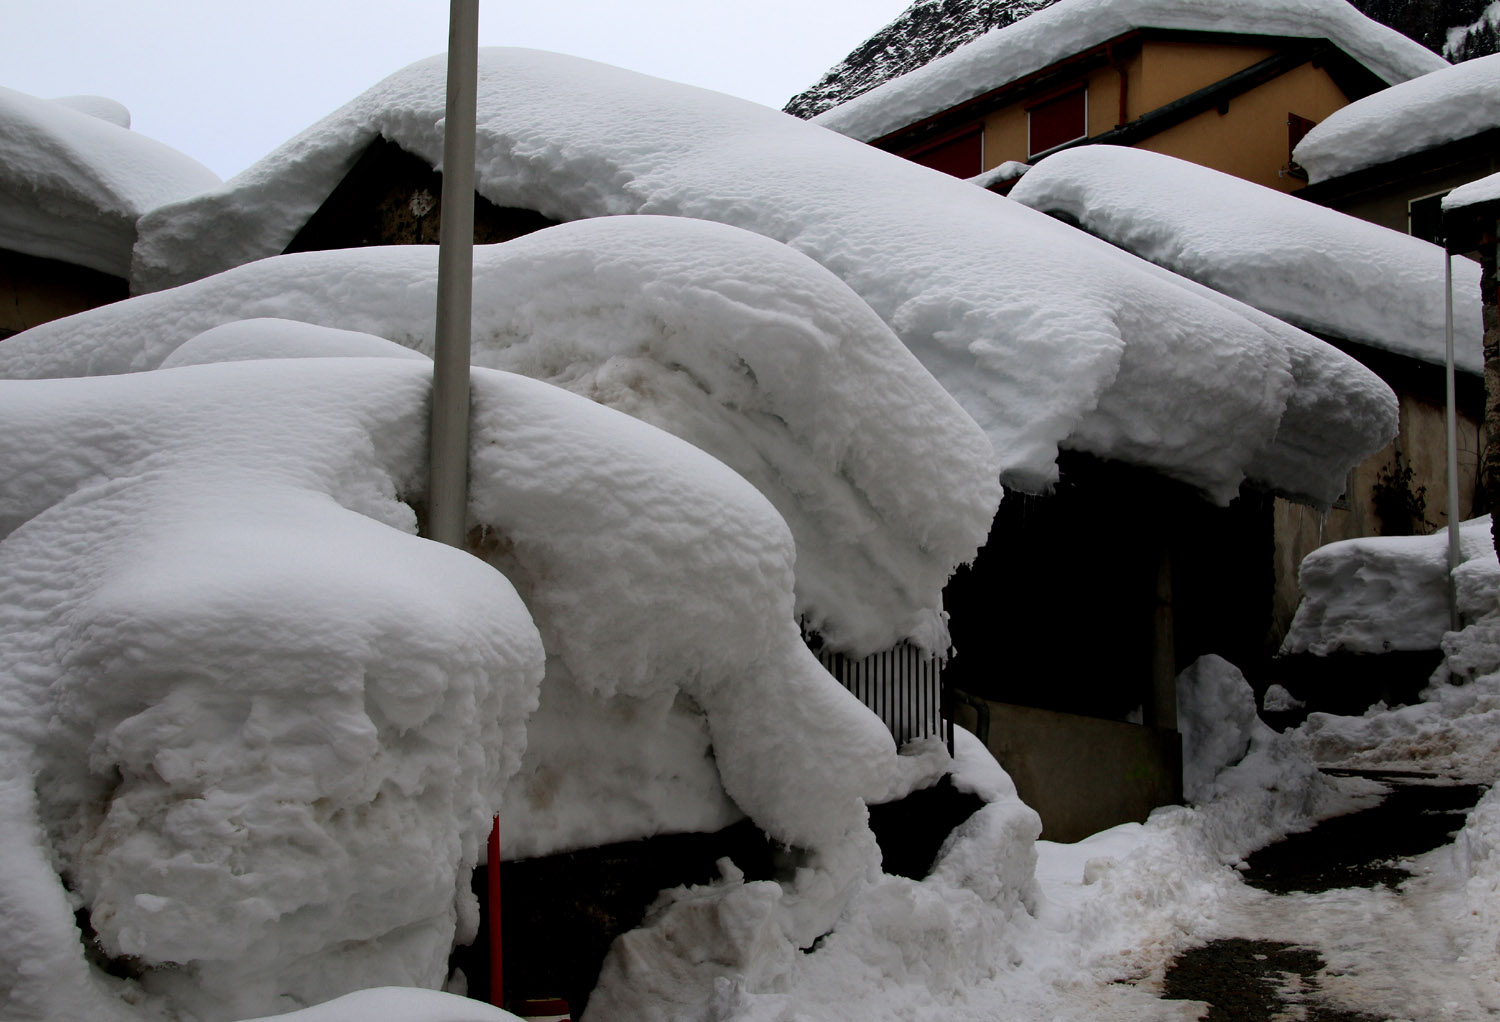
(227, 82)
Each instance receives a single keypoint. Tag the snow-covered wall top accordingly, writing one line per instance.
(1448, 104)
(1311, 266)
(74, 179)
(1070, 26)
(1045, 336)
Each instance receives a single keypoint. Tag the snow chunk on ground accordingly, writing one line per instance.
(731, 341)
(1046, 338)
(1383, 593)
(1448, 104)
(74, 180)
(1216, 716)
(1486, 189)
(1314, 267)
(1278, 699)
(1072, 26)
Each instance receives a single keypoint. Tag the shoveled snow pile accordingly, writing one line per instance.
(1314, 267)
(1072, 26)
(737, 344)
(74, 179)
(1486, 189)
(254, 728)
(1045, 337)
(1384, 593)
(1448, 104)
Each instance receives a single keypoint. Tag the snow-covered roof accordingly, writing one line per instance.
(74, 179)
(1486, 189)
(1046, 337)
(1072, 26)
(731, 341)
(1314, 267)
(1448, 104)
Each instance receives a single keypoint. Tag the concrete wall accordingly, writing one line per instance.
(1081, 774)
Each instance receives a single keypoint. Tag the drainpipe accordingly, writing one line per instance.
(1455, 547)
(447, 491)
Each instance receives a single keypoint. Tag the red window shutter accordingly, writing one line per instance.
(961, 155)
(1059, 119)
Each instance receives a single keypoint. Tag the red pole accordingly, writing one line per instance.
(497, 974)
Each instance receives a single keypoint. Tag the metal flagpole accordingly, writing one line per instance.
(1455, 547)
(448, 470)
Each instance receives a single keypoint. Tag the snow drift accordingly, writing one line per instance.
(1046, 338)
(74, 179)
(1314, 267)
(254, 728)
(1072, 26)
(1447, 104)
(737, 344)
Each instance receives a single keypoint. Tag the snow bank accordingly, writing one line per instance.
(733, 342)
(1486, 189)
(255, 728)
(74, 179)
(1046, 338)
(395, 1004)
(1447, 104)
(1314, 267)
(1071, 26)
(1385, 593)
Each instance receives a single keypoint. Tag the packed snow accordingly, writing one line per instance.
(737, 344)
(1448, 104)
(1072, 26)
(256, 729)
(74, 179)
(1047, 338)
(1485, 189)
(1314, 267)
(1376, 594)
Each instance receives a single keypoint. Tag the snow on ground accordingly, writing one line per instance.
(397, 1004)
(733, 342)
(1375, 594)
(1072, 26)
(255, 728)
(1447, 104)
(1047, 338)
(1314, 267)
(74, 179)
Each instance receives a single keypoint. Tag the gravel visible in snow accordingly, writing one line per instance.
(1314, 267)
(1072, 26)
(1385, 593)
(1448, 104)
(74, 179)
(1045, 337)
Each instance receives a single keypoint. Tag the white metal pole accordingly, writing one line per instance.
(1455, 547)
(448, 470)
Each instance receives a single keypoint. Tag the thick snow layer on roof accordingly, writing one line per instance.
(261, 727)
(738, 344)
(1448, 104)
(72, 183)
(1386, 593)
(1486, 189)
(1072, 26)
(1311, 266)
(1044, 336)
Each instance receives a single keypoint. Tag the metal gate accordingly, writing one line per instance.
(902, 685)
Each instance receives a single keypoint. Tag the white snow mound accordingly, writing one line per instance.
(1448, 104)
(737, 344)
(1313, 267)
(1046, 338)
(1384, 593)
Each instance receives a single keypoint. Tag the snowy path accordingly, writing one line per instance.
(1386, 954)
